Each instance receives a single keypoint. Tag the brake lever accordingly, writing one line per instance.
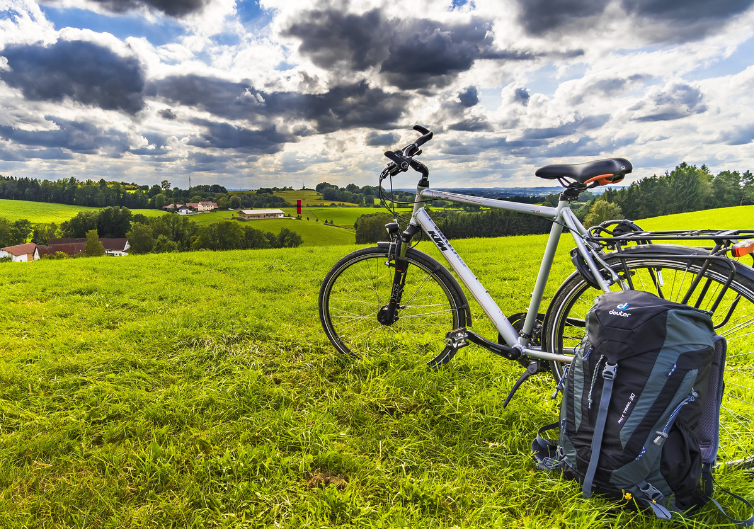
(399, 160)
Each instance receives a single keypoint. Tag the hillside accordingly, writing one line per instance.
(198, 390)
(45, 212)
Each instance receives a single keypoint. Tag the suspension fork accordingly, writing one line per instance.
(389, 313)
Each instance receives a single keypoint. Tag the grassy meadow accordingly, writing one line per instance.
(43, 212)
(198, 390)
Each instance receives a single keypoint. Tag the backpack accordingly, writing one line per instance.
(639, 417)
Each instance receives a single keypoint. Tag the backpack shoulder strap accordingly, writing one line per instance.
(749, 522)
(545, 451)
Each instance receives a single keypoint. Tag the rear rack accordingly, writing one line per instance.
(722, 237)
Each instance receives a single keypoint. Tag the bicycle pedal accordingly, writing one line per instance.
(457, 338)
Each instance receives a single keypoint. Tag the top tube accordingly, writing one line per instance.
(531, 209)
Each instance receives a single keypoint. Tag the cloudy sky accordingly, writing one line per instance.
(250, 93)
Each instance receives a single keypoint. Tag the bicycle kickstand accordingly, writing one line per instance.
(532, 369)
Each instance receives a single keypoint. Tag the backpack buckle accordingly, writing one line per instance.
(609, 372)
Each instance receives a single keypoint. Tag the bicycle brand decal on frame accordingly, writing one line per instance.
(439, 241)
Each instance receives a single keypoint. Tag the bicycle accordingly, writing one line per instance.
(392, 297)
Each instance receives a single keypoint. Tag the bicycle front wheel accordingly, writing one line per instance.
(671, 278)
(359, 286)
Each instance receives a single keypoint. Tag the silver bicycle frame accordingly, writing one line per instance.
(561, 216)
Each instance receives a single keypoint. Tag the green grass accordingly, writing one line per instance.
(307, 197)
(198, 390)
(345, 217)
(722, 218)
(43, 212)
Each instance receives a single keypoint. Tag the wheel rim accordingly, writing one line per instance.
(737, 409)
(358, 292)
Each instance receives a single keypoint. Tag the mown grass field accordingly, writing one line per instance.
(722, 218)
(308, 197)
(198, 390)
(45, 213)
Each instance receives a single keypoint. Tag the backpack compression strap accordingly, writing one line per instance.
(608, 375)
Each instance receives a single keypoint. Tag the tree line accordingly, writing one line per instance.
(164, 233)
(103, 193)
(686, 188)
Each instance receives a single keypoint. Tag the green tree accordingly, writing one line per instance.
(289, 239)
(371, 228)
(235, 202)
(80, 224)
(602, 211)
(165, 185)
(114, 222)
(93, 247)
(164, 245)
(140, 238)
(44, 232)
(159, 201)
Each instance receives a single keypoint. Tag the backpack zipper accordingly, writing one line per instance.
(663, 434)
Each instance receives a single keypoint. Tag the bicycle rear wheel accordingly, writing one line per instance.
(359, 286)
(671, 277)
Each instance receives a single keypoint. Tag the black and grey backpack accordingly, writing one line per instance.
(640, 411)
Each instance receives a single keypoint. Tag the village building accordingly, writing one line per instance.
(255, 214)
(202, 206)
(71, 249)
(170, 207)
(19, 253)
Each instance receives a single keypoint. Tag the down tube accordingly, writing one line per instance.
(502, 324)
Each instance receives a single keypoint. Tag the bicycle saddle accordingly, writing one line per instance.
(601, 171)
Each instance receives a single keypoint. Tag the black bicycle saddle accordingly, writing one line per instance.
(617, 168)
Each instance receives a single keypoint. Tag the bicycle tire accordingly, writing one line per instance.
(359, 285)
(564, 328)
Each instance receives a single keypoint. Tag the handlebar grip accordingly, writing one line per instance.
(424, 139)
(399, 160)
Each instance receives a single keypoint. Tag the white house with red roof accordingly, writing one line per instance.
(20, 253)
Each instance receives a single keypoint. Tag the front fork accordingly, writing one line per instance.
(400, 243)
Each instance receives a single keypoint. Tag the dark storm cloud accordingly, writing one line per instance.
(681, 19)
(678, 101)
(521, 95)
(469, 97)
(410, 53)
(81, 71)
(208, 163)
(543, 16)
(333, 37)
(226, 136)
(341, 107)
(167, 113)
(84, 138)
(375, 139)
(172, 8)
(688, 11)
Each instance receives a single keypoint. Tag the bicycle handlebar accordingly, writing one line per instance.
(402, 159)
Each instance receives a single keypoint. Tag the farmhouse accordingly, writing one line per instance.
(72, 249)
(254, 214)
(170, 207)
(20, 253)
(202, 206)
